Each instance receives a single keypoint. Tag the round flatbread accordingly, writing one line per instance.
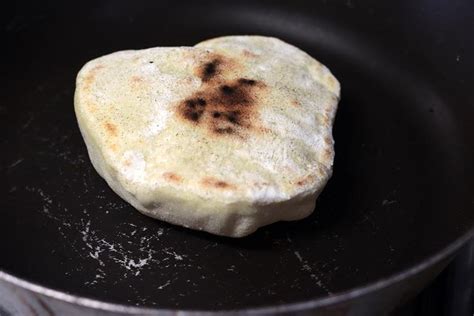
(226, 136)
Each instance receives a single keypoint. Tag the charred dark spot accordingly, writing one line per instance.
(225, 130)
(209, 70)
(190, 104)
(249, 82)
(225, 89)
(233, 95)
(193, 114)
(233, 117)
(151, 61)
(222, 184)
(201, 101)
(222, 106)
(193, 103)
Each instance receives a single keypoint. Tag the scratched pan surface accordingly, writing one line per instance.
(399, 193)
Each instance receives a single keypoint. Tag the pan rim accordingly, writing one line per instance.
(104, 306)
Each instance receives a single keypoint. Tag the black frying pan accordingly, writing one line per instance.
(398, 206)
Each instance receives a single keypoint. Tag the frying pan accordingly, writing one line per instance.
(397, 208)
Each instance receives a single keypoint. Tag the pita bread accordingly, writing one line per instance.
(226, 136)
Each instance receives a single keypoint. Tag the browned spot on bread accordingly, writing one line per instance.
(305, 180)
(137, 82)
(111, 128)
(90, 77)
(325, 119)
(258, 128)
(91, 107)
(222, 106)
(327, 154)
(328, 140)
(136, 79)
(172, 177)
(216, 183)
(248, 53)
(113, 147)
(295, 103)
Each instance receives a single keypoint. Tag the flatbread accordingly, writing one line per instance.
(226, 136)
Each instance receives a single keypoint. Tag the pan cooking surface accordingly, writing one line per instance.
(396, 197)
